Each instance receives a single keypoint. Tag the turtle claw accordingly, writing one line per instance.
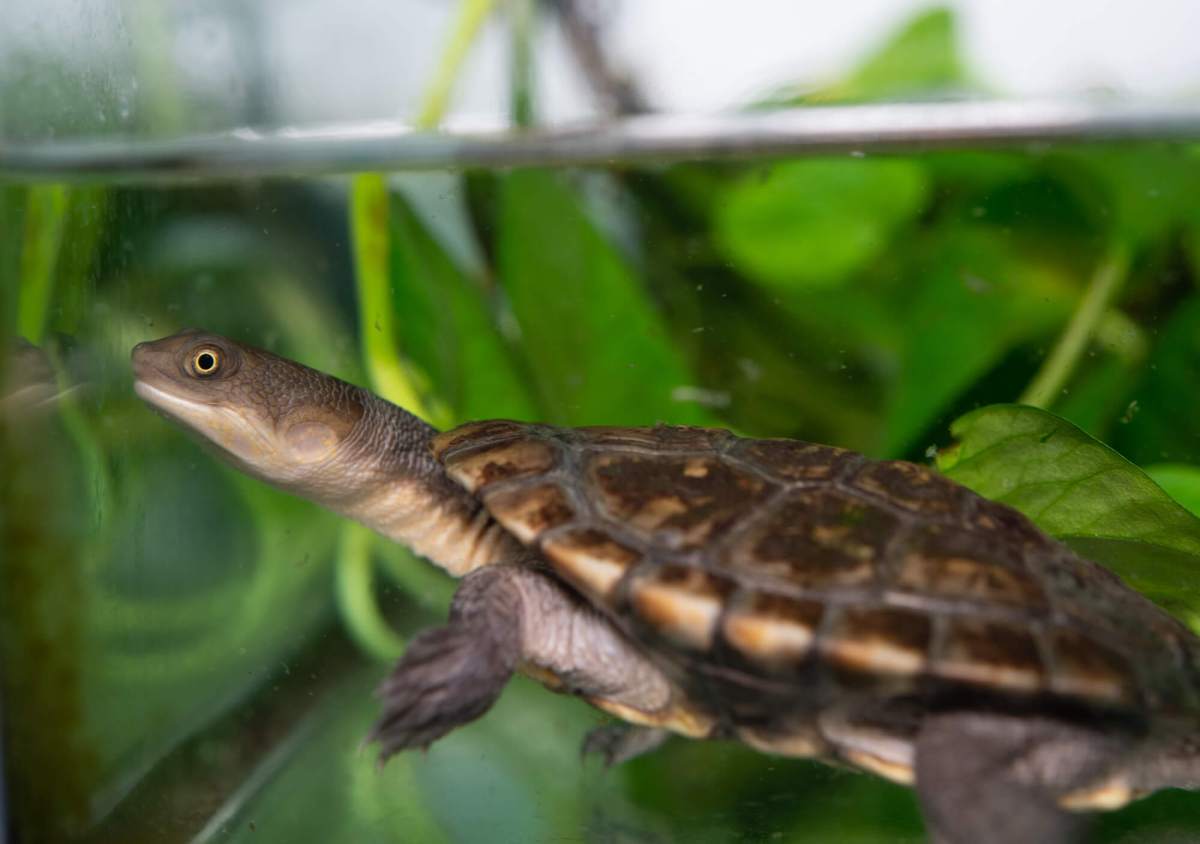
(617, 743)
(445, 679)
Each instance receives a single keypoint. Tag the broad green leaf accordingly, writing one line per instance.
(1180, 481)
(596, 346)
(448, 329)
(1081, 491)
(814, 223)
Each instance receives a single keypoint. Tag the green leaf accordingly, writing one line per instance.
(449, 330)
(596, 346)
(815, 223)
(1080, 491)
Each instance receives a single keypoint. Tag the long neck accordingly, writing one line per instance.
(406, 496)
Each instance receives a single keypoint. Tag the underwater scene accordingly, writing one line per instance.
(191, 655)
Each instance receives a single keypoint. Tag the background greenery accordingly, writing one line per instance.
(175, 635)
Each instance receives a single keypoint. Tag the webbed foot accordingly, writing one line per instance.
(985, 778)
(451, 675)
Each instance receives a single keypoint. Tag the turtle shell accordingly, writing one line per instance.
(780, 576)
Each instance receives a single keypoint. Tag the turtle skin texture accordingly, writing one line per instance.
(816, 603)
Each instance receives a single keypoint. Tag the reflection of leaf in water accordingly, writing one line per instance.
(920, 58)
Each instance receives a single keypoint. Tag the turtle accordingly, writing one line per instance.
(799, 598)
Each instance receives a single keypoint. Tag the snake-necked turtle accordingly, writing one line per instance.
(799, 598)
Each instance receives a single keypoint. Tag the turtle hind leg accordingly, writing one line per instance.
(986, 778)
(451, 675)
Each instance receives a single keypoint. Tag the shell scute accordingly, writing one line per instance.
(992, 517)
(478, 468)
(952, 564)
(794, 461)
(775, 631)
(659, 438)
(529, 511)
(911, 487)
(1088, 669)
(990, 653)
(881, 641)
(680, 603)
(817, 539)
(681, 502)
(475, 433)
(589, 559)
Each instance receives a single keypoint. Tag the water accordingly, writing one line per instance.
(190, 655)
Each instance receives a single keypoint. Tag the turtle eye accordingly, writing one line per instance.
(206, 361)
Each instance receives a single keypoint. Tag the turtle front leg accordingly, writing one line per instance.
(986, 778)
(504, 617)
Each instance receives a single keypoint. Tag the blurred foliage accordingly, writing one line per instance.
(816, 223)
(865, 301)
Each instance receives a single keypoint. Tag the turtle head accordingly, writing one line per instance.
(320, 438)
(271, 417)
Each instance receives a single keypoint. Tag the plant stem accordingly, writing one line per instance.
(45, 213)
(380, 334)
(370, 228)
(471, 15)
(1048, 384)
(521, 19)
(356, 600)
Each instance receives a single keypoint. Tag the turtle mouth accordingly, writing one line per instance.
(165, 403)
(234, 437)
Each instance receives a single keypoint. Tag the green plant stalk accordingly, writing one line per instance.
(391, 376)
(1048, 384)
(471, 15)
(370, 225)
(45, 215)
(1121, 336)
(356, 600)
(522, 19)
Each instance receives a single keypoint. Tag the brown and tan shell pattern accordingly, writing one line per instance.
(801, 573)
